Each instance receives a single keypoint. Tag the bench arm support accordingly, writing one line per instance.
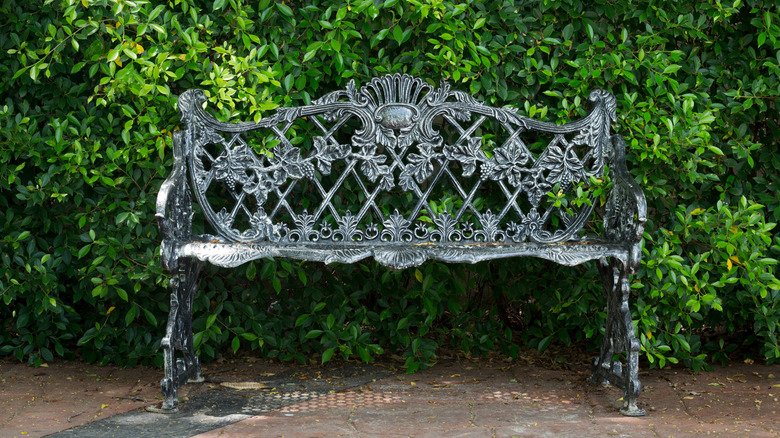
(626, 210)
(174, 206)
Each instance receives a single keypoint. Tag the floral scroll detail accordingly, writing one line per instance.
(420, 166)
(532, 224)
(446, 228)
(509, 163)
(231, 166)
(400, 257)
(536, 185)
(395, 147)
(531, 227)
(348, 228)
(261, 227)
(304, 230)
(373, 167)
(468, 155)
(244, 173)
(490, 227)
(327, 153)
(397, 229)
(565, 167)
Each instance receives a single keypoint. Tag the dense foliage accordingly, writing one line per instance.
(88, 89)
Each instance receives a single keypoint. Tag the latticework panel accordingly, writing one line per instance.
(395, 161)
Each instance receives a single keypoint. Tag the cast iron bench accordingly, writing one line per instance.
(437, 174)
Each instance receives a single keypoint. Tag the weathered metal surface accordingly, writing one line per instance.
(619, 338)
(277, 188)
(396, 147)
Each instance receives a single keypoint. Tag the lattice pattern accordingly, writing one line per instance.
(403, 135)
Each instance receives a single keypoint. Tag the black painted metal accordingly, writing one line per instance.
(435, 174)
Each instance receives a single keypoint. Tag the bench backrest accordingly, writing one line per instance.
(396, 160)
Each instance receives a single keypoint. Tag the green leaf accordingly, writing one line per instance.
(251, 271)
(761, 39)
(46, 354)
(568, 31)
(341, 14)
(672, 69)
(284, 9)
(309, 55)
(84, 250)
(130, 315)
(155, 12)
(314, 334)
(302, 319)
(150, 318)
(544, 343)
(398, 35)
(328, 354)
(363, 353)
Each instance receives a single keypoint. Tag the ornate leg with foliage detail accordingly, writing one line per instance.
(174, 215)
(179, 336)
(619, 337)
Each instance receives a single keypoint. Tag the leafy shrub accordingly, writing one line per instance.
(88, 89)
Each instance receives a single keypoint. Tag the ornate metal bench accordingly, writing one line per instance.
(403, 172)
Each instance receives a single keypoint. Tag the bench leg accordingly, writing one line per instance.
(619, 337)
(178, 336)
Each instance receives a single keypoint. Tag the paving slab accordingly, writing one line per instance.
(223, 401)
(39, 401)
(489, 397)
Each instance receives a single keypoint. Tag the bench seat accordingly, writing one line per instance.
(403, 255)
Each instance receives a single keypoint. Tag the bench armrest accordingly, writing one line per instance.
(626, 210)
(174, 206)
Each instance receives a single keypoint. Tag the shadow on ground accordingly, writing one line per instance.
(470, 398)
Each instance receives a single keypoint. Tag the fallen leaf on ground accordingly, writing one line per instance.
(244, 385)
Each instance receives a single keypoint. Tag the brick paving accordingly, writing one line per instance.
(455, 398)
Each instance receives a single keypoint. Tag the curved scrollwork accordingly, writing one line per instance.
(398, 145)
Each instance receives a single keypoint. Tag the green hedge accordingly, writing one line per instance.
(88, 92)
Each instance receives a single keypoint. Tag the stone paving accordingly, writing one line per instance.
(455, 398)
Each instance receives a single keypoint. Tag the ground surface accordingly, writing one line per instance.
(459, 397)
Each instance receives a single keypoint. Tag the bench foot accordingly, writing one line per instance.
(161, 409)
(180, 370)
(632, 411)
(619, 339)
